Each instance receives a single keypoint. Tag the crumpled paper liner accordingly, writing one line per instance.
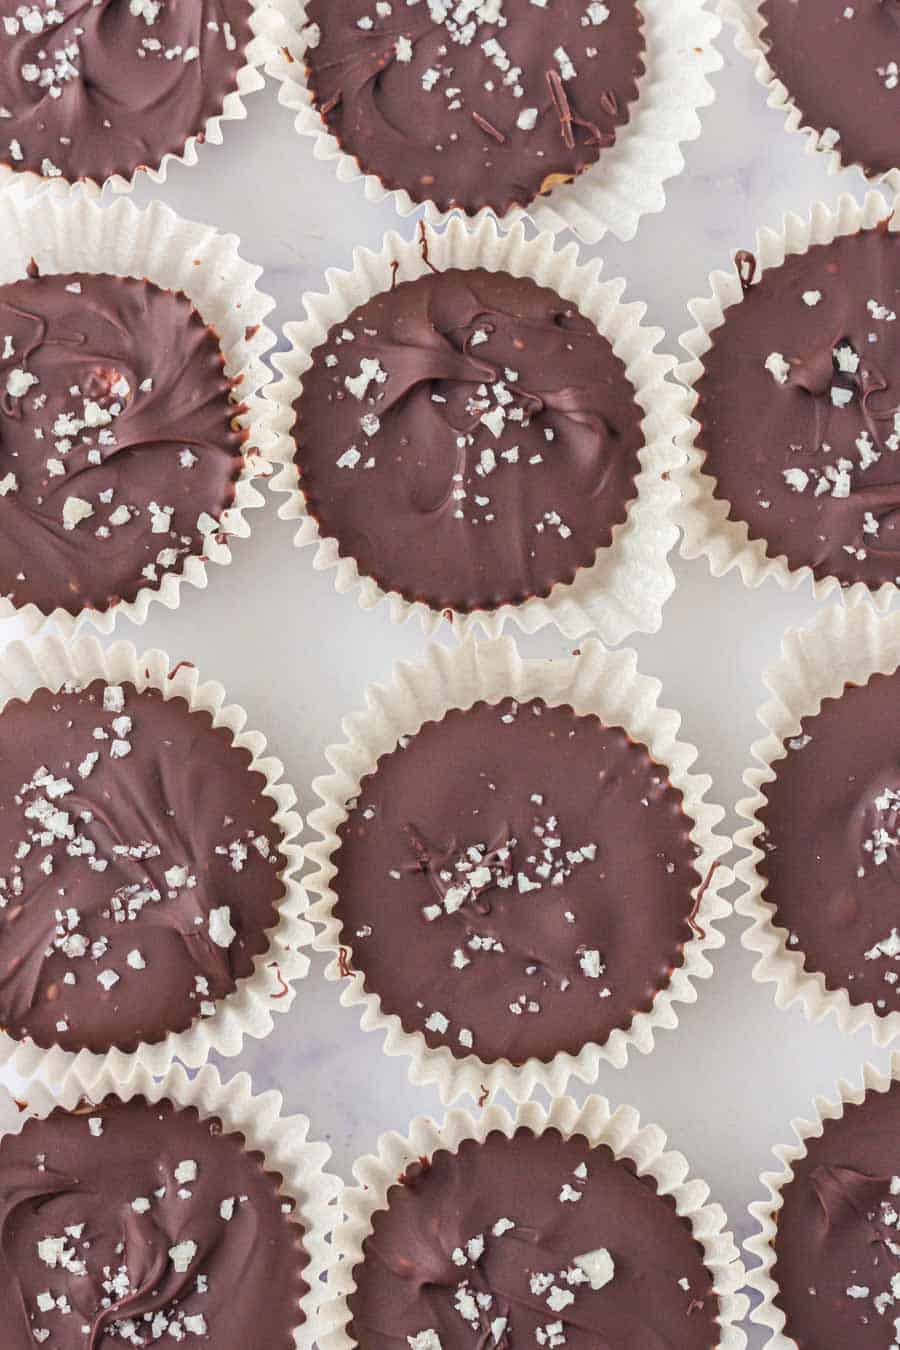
(765, 1212)
(621, 1131)
(748, 23)
(249, 81)
(597, 681)
(269, 989)
(630, 581)
(628, 180)
(706, 530)
(72, 234)
(845, 645)
(283, 1141)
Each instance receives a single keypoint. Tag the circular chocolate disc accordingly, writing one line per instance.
(469, 439)
(531, 1241)
(93, 89)
(516, 881)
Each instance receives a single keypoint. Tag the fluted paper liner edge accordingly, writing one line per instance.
(765, 1212)
(620, 1130)
(283, 1141)
(270, 988)
(703, 517)
(73, 234)
(607, 684)
(844, 645)
(626, 587)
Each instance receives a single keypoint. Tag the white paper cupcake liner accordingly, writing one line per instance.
(748, 24)
(75, 235)
(765, 1212)
(604, 683)
(249, 80)
(621, 1131)
(703, 517)
(283, 1141)
(624, 590)
(249, 1011)
(845, 645)
(626, 183)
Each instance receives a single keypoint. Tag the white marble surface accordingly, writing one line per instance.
(726, 1083)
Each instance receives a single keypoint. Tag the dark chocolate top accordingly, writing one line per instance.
(832, 843)
(799, 409)
(838, 1241)
(841, 64)
(533, 1241)
(488, 103)
(516, 881)
(143, 1225)
(91, 88)
(138, 866)
(118, 452)
(469, 439)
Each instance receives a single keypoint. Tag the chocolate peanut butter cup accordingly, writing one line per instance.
(484, 104)
(120, 446)
(568, 1227)
(514, 885)
(143, 1223)
(469, 439)
(90, 89)
(141, 866)
(131, 345)
(840, 64)
(798, 409)
(474, 427)
(531, 1240)
(831, 844)
(575, 113)
(821, 843)
(517, 881)
(829, 1240)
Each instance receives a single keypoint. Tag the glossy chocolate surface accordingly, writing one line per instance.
(91, 88)
(488, 103)
(143, 1225)
(534, 1241)
(469, 439)
(832, 844)
(841, 64)
(838, 1241)
(516, 881)
(138, 867)
(799, 409)
(118, 452)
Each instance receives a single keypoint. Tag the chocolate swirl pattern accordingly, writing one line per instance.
(477, 105)
(533, 1240)
(138, 867)
(118, 446)
(531, 899)
(132, 1224)
(91, 88)
(799, 408)
(469, 439)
